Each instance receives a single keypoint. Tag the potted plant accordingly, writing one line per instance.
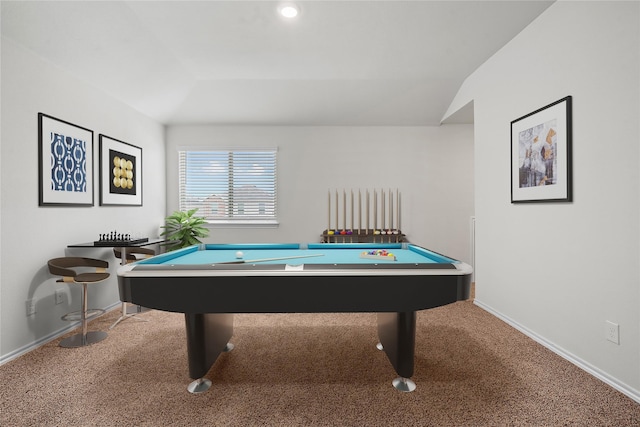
(183, 229)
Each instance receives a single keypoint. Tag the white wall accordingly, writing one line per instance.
(558, 271)
(431, 166)
(30, 235)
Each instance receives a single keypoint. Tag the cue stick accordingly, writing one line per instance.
(390, 216)
(375, 210)
(249, 261)
(382, 208)
(367, 217)
(351, 211)
(390, 210)
(359, 211)
(329, 216)
(351, 225)
(335, 239)
(375, 214)
(399, 226)
(390, 230)
(398, 210)
(396, 231)
(344, 209)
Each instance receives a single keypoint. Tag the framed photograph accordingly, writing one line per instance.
(120, 173)
(541, 155)
(65, 158)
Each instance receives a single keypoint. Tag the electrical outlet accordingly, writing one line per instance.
(59, 296)
(31, 307)
(612, 332)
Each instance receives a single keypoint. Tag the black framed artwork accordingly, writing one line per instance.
(541, 154)
(65, 159)
(120, 173)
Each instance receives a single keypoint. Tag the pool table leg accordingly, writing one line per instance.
(397, 334)
(208, 335)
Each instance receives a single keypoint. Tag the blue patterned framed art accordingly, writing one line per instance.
(120, 173)
(65, 157)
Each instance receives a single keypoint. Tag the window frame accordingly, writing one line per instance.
(229, 220)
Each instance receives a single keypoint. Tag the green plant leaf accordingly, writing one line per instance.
(183, 229)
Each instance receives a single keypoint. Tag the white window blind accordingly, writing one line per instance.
(230, 186)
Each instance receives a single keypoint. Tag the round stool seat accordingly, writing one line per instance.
(90, 277)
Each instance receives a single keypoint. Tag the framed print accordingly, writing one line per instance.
(65, 158)
(541, 155)
(120, 173)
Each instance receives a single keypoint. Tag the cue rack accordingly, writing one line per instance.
(378, 217)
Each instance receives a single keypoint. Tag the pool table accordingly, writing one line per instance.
(209, 283)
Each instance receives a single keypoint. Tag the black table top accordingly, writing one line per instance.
(114, 244)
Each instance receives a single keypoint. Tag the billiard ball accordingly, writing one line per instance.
(239, 254)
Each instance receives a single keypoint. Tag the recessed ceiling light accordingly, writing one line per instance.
(289, 11)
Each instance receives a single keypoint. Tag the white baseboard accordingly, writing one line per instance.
(602, 376)
(48, 338)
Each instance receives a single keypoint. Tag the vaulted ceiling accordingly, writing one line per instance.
(240, 63)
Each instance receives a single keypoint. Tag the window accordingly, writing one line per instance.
(229, 186)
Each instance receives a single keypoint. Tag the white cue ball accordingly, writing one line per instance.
(239, 254)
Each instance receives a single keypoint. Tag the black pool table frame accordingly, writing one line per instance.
(210, 295)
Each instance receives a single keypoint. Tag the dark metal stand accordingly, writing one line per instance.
(84, 338)
(397, 334)
(208, 336)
